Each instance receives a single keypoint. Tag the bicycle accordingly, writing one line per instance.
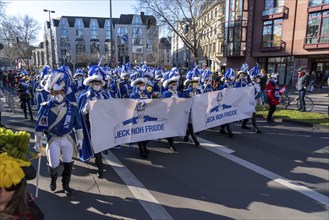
(285, 101)
(313, 86)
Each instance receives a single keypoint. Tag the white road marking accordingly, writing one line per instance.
(213, 147)
(275, 177)
(146, 199)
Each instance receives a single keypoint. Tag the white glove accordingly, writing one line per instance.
(38, 141)
(79, 144)
(85, 109)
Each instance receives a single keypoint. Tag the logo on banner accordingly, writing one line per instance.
(220, 112)
(140, 125)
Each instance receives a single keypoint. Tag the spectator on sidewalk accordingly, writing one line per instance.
(302, 82)
(25, 90)
(2, 106)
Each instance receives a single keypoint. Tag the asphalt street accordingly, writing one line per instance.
(279, 174)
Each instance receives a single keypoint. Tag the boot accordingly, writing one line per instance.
(230, 133)
(53, 173)
(253, 121)
(244, 124)
(145, 147)
(66, 177)
(195, 139)
(171, 143)
(142, 153)
(99, 164)
(221, 130)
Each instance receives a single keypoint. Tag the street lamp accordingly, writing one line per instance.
(51, 38)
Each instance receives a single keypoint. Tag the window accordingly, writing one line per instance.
(137, 20)
(108, 29)
(273, 3)
(122, 35)
(79, 28)
(94, 29)
(137, 38)
(64, 28)
(317, 28)
(80, 46)
(313, 3)
(272, 33)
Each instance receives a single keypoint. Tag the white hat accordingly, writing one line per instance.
(171, 77)
(57, 81)
(136, 78)
(95, 73)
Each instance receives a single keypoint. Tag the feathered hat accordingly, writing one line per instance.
(147, 71)
(173, 76)
(57, 81)
(254, 72)
(206, 75)
(229, 74)
(44, 75)
(192, 76)
(95, 73)
(78, 72)
(137, 77)
(158, 73)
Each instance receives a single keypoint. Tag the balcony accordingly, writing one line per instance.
(227, 52)
(312, 43)
(274, 13)
(268, 46)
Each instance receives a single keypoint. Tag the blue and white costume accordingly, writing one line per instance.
(59, 120)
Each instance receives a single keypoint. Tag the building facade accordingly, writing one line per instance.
(82, 41)
(211, 15)
(165, 52)
(280, 35)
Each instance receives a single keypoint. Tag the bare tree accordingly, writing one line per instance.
(181, 17)
(18, 34)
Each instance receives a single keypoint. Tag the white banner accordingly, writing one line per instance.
(221, 107)
(117, 121)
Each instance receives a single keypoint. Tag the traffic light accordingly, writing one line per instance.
(148, 23)
(127, 59)
(209, 62)
(186, 64)
(120, 60)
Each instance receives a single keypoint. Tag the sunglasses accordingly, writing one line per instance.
(12, 187)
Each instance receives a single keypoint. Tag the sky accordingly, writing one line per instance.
(86, 8)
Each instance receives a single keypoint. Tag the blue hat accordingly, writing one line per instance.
(206, 75)
(229, 74)
(147, 71)
(78, 72)
(158, 73)
(192, 76)
(254, 72)
(137, 77)
(244, 68)
(173, 76)
(45, 71)
(95, 73)
(57, 81)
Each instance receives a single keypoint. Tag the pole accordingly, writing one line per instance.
(111, 30)
(51, 42)
(38, 176)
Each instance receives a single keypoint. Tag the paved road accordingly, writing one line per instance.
(279, 174)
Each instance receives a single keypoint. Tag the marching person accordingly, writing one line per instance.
(139, 92)
(273, 94)
(172, 84)
(255, 79)
(228, 80)
(95, 81)
(59, 120)
(191, 83)
(41, 94)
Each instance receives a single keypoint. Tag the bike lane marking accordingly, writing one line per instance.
(145, 198)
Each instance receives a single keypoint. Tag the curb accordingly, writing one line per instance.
(306, 124)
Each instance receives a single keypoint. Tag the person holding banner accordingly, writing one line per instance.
(95, 81)
(171, 82)
(273, 94)
(191, 83)
(59, 120)
(139, 82)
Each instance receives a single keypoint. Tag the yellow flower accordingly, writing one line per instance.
(11, 172)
